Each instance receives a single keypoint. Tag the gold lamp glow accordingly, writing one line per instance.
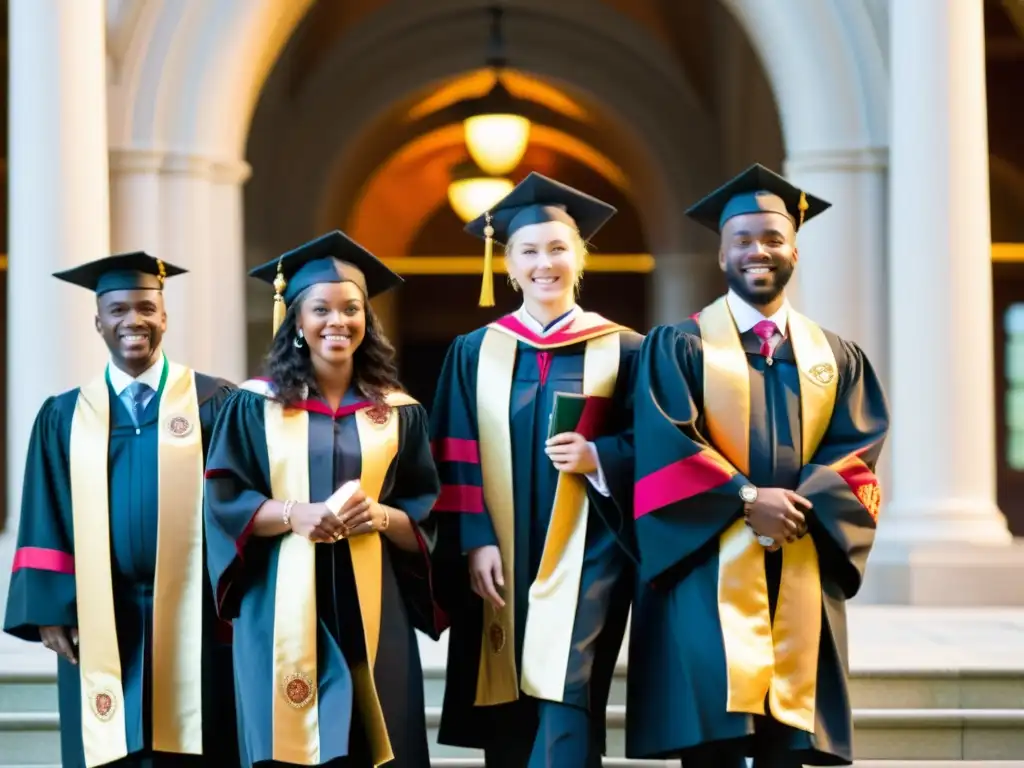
(496, 136)
(471, 192)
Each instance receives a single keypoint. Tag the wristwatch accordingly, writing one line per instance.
(749, 495)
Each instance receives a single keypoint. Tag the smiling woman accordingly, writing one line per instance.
(320, 484)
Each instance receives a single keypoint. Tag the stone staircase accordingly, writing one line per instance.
(930, 688)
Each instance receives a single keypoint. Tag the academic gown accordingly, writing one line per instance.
(687, 496)
(244, 570)
(42, 589)
(598, 622)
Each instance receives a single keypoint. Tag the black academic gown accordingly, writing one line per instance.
(607, 577)
(677, 690)
(42, 589)
(244, 570)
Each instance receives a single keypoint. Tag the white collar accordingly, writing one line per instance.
(538, 328)
(120, 380)
(747, 317)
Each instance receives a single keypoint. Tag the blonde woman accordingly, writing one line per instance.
(536, 490)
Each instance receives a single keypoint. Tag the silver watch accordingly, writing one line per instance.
(765, 541)
(748, 493)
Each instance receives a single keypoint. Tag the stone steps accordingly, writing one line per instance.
(924, 690)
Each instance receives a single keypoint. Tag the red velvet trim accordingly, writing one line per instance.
(454, 449)
(593, 417)
(41, 559)
(677, 482)
(318, 406)
(862, 482)
(544, 366)
(243, 537)
(467, 499)
(213, 474)
(563, 336)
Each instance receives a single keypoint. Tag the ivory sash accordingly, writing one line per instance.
(555, 592)
(177, 597)
(295, 705)
(778, 660)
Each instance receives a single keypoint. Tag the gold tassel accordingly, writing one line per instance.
(279, 308)
(803, 208)
(487, 287)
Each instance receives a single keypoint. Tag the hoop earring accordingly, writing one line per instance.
(299, 341)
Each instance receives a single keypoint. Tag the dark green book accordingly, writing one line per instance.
(565, 416)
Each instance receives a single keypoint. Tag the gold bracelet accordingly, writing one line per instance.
(387, 519)
(286, 515)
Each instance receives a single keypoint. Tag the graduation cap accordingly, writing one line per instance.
(535, 200)
(756, 190)
(121, 272)
(330, 258)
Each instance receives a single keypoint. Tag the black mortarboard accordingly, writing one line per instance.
(535, 200)
(330, 258)
(121, 272)
(756, 190)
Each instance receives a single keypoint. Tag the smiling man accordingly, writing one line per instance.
(757, 434)
(109, 569)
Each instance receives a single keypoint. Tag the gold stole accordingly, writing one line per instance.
(178, 585)
(777, 659)
(555, 592)
(296, 717)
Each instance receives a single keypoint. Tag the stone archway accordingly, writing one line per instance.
(189, 75)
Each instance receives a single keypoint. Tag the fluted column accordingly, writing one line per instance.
(940, 279)
(59, 214)
(187, 209)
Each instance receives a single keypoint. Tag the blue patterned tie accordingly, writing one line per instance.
(137, 393)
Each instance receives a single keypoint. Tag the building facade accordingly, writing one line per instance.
(217, 134)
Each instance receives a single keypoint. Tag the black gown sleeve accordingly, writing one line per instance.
(840, 480)
(42, 588)
(615, 449)
(415, 489)
(455, 442)
(686, 492)
(237, 485)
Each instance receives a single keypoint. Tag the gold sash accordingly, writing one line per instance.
(778, 660)
(177, 597)
(295, 708)
(555, 592)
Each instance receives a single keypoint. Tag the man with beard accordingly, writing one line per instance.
(109, 569)
(757, 434)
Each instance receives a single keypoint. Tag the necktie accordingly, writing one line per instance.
(765, 331)
(137, 392)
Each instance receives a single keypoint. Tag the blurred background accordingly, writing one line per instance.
(216, 134)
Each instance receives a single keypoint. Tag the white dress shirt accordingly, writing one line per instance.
(120, 381)
(596, 478)
(747, 317)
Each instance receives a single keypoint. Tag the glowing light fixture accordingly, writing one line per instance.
(497, 140)
(471, 191)
(496, 134)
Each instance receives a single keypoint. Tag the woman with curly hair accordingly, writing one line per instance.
(319, 488)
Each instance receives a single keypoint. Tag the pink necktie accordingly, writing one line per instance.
(765, 330)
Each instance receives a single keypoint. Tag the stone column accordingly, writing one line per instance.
(942, 539)
(682, 284)
(59, 214)
(227, 271)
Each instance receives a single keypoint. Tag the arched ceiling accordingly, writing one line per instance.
(407, 192)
